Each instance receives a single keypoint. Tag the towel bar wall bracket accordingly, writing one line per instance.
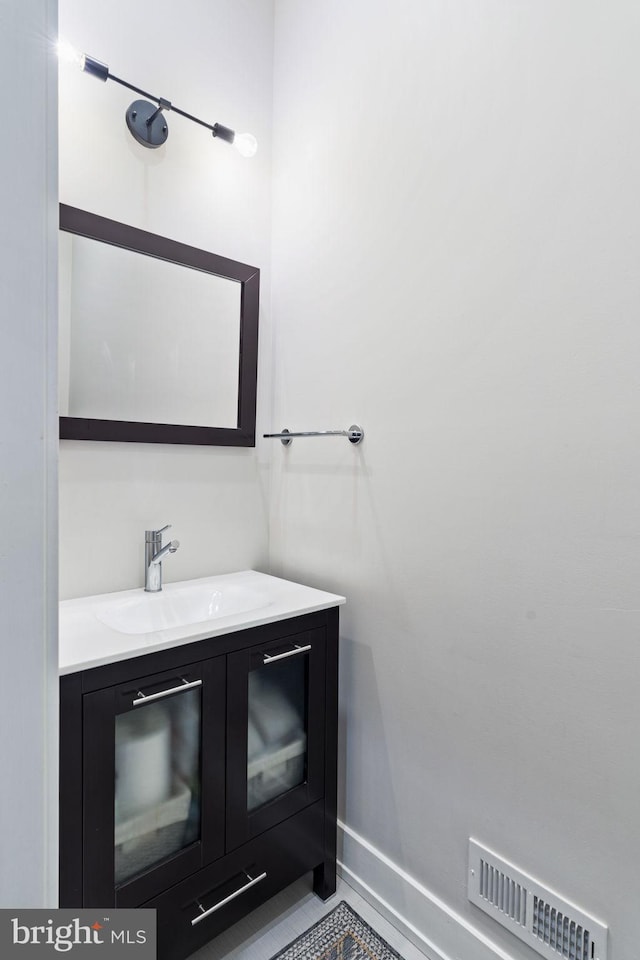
(354, 434)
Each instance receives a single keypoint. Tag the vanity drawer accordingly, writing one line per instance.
(194, 911)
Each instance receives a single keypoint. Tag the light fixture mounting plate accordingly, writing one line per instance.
(152, 134)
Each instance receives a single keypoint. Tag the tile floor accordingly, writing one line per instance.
(275, 924)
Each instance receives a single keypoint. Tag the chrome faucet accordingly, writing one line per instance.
(154, 554)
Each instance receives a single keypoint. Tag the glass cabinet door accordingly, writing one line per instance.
(154, 800)
(275, 729)
(158, 750)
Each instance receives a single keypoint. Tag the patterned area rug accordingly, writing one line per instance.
(341, 935)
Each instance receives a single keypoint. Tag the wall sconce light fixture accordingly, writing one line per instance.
(145, 118)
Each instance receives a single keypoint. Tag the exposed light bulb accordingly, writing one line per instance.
(68, 53)
(246, 144)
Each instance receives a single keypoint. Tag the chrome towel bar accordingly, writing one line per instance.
(354, 434)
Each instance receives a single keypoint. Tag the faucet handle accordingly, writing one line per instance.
(151, 535)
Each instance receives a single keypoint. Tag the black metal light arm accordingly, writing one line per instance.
(145, 120)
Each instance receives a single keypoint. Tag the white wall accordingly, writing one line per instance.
(28, 459)
(214, 60)
(456, 244)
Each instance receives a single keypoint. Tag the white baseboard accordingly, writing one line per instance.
(424, 919)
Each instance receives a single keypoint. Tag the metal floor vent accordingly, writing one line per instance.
(552, 926)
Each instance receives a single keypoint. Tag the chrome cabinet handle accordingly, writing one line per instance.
(222, 903)
(290, 653)
(147, 698)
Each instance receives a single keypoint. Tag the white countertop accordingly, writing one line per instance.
(86, 641)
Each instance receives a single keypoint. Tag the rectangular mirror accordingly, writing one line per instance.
(158, 341)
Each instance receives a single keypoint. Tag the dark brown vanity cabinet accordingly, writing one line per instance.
(201, 779)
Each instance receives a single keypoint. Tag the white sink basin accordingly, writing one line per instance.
(180, 605)
(110, 627)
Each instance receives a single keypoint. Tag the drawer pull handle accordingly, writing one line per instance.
(290, 653)
(147, 698)
(222, 903)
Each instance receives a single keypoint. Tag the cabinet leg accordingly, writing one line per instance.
(324, 879)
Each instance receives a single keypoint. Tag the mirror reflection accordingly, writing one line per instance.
(145, 340)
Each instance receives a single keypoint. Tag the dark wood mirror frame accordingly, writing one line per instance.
(84, 224)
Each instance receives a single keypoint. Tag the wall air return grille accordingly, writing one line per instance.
(541, 918)
(559, 932)
(505, 894)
